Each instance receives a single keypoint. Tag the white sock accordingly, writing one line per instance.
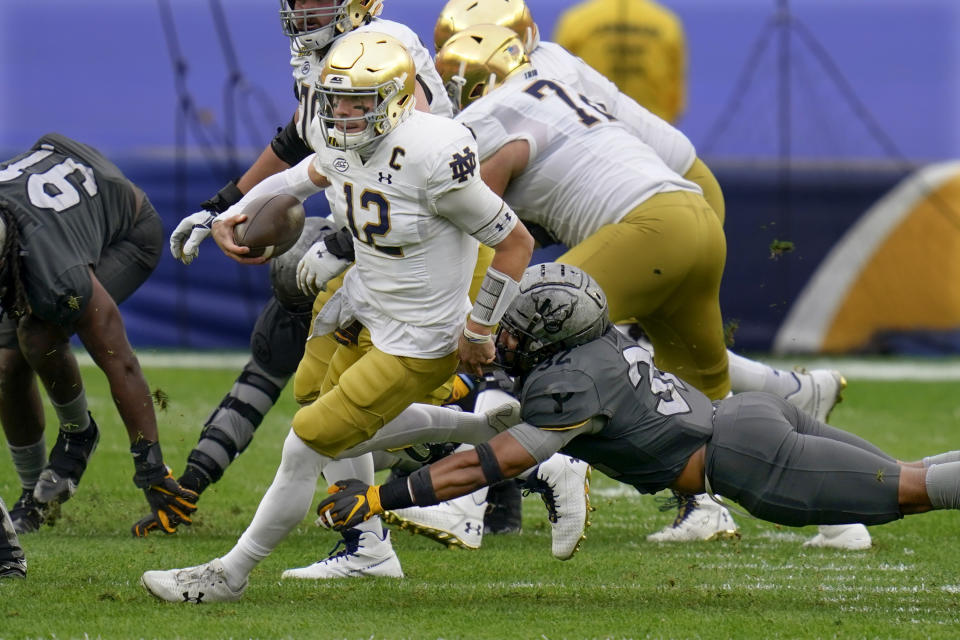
(420, 423)
(283, 507)
(749, 375)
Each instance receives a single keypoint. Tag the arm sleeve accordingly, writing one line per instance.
(295, 181)
(477, 210)
(541, 443)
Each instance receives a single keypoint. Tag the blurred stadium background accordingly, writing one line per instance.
(831, 124)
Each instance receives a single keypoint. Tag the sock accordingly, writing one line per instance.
(283, 507)
(943, 485)
(73, 415)
(420, 423)
(949, 456)
(748, 375)
(29, 461)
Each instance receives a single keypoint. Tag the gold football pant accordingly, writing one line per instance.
(369, 391)
(662, 265)
(700, 174)
(319, 351)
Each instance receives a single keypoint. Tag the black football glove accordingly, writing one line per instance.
(350, 503)
(170, 504)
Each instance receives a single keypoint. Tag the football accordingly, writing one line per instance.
(273, 225)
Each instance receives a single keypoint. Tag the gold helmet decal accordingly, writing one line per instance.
(366, 89)
(477, 60)
(316, 27)
(458, 15)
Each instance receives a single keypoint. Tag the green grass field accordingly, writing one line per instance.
(83, 579)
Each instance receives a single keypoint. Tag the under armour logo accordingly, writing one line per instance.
(473, 525)
(463, 166)
(198, 599)
(507, 217)
(388, 178)
(559, 399)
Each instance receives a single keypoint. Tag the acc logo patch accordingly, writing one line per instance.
(305, 68)
(341, 164)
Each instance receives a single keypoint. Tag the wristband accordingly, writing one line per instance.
(477, 338)
(496, 293)
(224, 199)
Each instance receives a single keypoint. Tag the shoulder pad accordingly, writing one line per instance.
(559, 398)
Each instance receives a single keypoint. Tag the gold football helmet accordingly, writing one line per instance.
(374, 70)
(315, 28)
(458, 15)
(477, 60)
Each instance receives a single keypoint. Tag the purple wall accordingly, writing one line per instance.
(102, 71)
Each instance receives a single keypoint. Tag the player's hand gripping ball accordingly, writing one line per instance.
(273, 225)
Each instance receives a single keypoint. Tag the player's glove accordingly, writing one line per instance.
(350, 503)
(186, 238)
(318, 266)
(170, 504)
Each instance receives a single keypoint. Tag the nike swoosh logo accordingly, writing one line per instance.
(361, 500)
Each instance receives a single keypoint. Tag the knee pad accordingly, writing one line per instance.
(312, 369)
(278, 339)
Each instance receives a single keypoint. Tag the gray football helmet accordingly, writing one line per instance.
(559, 307)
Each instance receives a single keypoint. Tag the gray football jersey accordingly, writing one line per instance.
(654, 421)
(69, 203)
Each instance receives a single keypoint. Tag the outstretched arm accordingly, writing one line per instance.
(352, 501)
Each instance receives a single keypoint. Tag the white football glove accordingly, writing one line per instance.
(186, 238)
(317, 267)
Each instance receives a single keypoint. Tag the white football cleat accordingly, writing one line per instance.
(364, 554)
(820, 390)
(455, 523)
(849, 537)
(564, 484)
(699, 518)
(203, 583)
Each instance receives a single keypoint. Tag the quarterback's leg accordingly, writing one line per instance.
(282, 508)
(370, 392)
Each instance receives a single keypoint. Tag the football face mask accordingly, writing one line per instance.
(317, 23)
(366, 89)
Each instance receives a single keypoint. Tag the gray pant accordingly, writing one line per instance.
(783, 466)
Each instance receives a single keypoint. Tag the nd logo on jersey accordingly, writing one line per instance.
(463, 165)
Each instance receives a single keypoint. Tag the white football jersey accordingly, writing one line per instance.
(556, 63)
(307, 68)
(413, 267)
(585, 170)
